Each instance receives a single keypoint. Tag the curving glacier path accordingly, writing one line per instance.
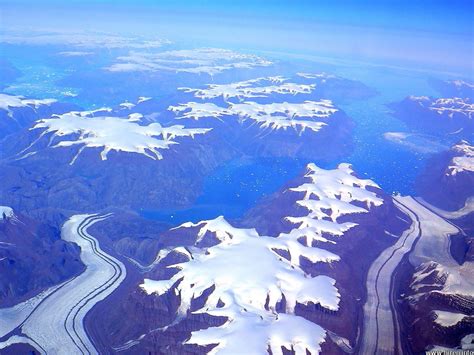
(379, 334)
(427, 239)
(53, 321)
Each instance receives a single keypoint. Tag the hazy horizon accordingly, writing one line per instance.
(423, 35)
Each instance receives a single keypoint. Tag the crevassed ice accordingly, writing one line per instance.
(250, 278)
(113, 133)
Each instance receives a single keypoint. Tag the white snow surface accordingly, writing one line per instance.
(447, 106)
(113, 133)
(300, 116)
(143, 99)
(465, 159)
(250, 278)
(461, 83)
(322, 76)
(449, 279)
(127, 105)
(437, 271)
(75, 53)
(248, 335)
(196, 61)
(6, 212)
(329, 195)
(448, 319)
(313, 109)
(198, 110)
(246, 271)
(275, 116)
(7, 102)
(260, 87)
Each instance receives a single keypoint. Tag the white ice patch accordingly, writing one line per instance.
(461, 83)
(250, 278)
(254, 334)
(465, 159)
(448, 319)
(329, 195)
(446, 106)
(113, 133)
(75, 54)
(260, 87)
(6, 212)
(197, 61)
(127, 105)
(322, 76)
(198, 110)
(275, 116)
(143, 99)
(312, 109)
(7, 102)
(450, 279)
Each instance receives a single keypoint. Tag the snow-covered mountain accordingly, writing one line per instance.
(265, 112)
(337, 88)
(114, 158)
(17, 112)
(110, 133)
(454, 88)
(250, 281)
(448, 179)
(437, 300)
(139, 156)
(216, 282)
(274, 116)
(209, 61)
(463, 162)
(437, 116)
(260, 87)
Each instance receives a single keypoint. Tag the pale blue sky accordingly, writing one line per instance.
(433, 33)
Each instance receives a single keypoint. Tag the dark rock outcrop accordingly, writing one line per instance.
(437, 116)
(446, 183)
(33, 257)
